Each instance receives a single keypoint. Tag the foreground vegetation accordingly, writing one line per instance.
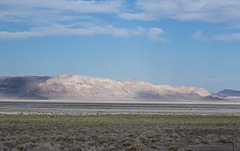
(118, 132)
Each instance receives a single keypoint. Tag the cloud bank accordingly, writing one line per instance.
(64, 17)
(201, 10)
(38, 18)
(58, 30)
(228, 37)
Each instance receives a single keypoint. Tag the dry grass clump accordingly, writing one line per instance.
(225, 139)
(117, 132)
(174, 148)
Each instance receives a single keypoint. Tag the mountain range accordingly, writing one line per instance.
(76, 87)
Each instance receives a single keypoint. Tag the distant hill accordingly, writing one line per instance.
(26, 87)
(228, 93)
(78, 87)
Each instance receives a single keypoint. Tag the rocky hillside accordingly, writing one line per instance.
(88, 88)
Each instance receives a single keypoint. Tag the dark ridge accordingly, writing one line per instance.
(212, 98)
(228, 92)
(148, 95)
(21, 87)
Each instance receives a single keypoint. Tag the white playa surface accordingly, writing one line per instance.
(84, 107)
(232, 101)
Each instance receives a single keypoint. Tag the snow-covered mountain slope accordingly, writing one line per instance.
(89, 88)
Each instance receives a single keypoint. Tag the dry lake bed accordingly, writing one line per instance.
(120, 107)
(73, 126)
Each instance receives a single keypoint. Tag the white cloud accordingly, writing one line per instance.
(154, 33)
(82, 6)
(25, 10)
(228, 37)
(56, 30)
(38, 18)
(202, 10)
(61, 17)
(16, 35)
(199, 35)
(58, 17)
(88, 30)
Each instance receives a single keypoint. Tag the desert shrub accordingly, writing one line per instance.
(20, 148)
(3, 148)
(105, 145)
(154, 146)
(121, 132)
(144, 140)
(154, 139)
(75, 148)
(10, 143)
(175, 135)
(102, 140)
(135, 147)
(189, 149)
(128, 142)
(80, 139)
(204, 141)
(225, 140)
(173, 147)
(72, 148)
(112, 147)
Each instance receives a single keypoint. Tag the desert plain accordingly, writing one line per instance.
(72, 126)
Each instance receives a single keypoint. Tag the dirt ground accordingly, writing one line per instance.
(119, 132)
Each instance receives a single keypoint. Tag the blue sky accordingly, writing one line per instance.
(176, 42)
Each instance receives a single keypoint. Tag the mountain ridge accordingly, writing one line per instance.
(228, 93)
(77, 87)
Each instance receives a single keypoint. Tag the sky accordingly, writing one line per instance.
(176, 42)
